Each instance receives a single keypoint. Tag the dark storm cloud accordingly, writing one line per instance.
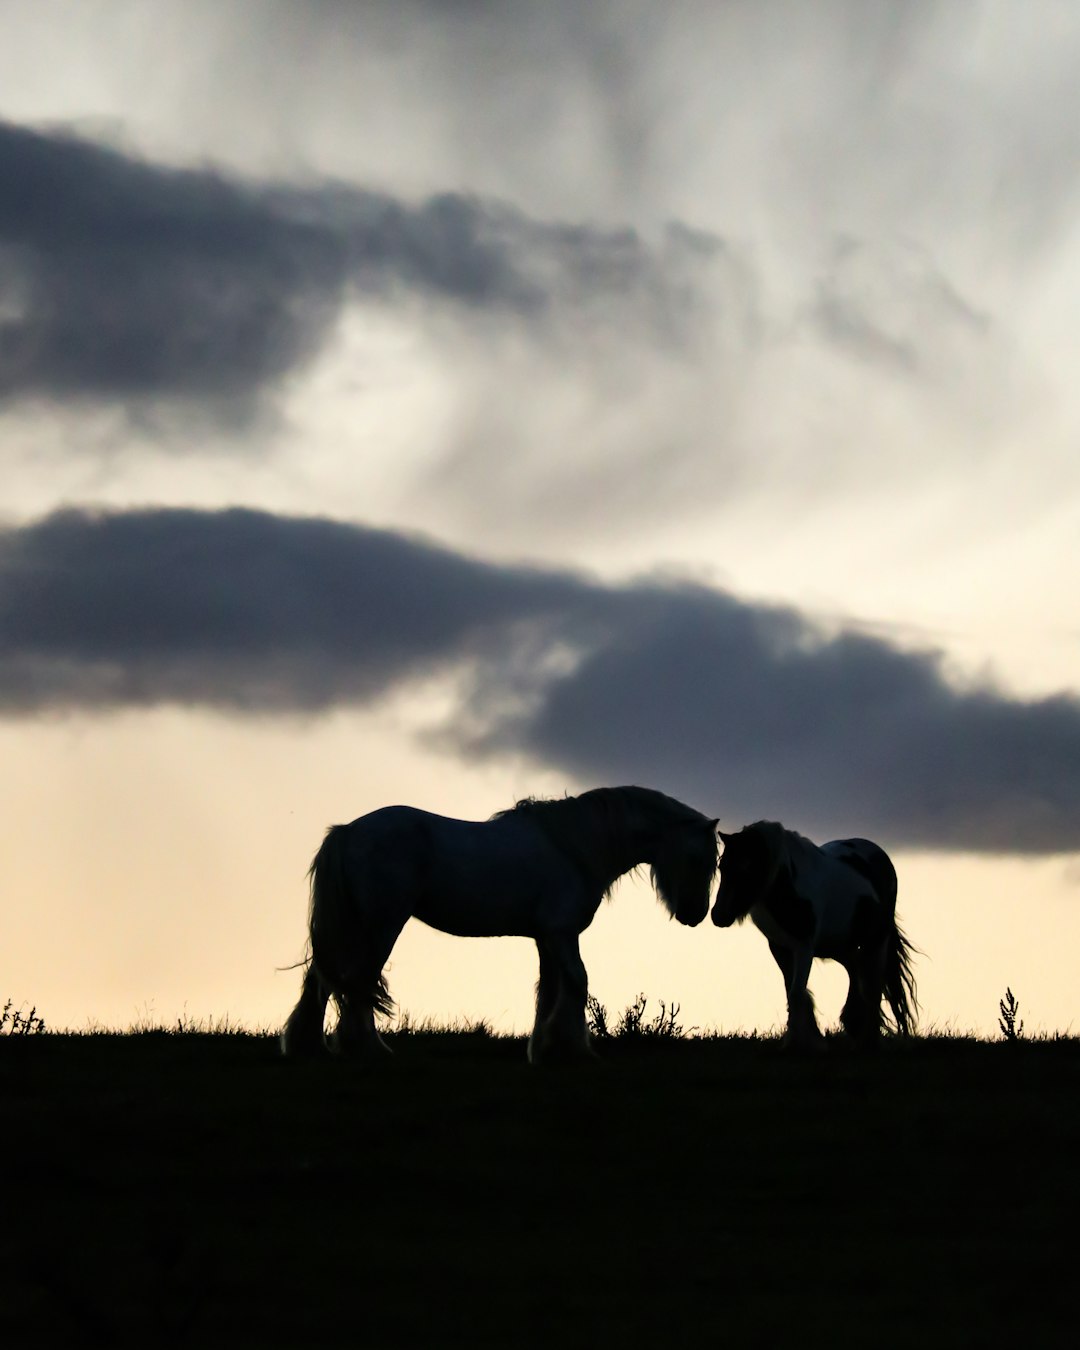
(746, 710)
(239, 609)
(123, 279)
(758, 712)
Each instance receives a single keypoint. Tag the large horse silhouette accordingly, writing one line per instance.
(538, 870)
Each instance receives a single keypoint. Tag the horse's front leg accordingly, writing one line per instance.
(561, 1034)
(547, 995)
(802, 1028)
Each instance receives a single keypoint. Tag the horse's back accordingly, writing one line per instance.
(870, 861)
(387, 820)
(389, 848)
(470, 877)
(393, 827)
(464, 847)
(405, 826)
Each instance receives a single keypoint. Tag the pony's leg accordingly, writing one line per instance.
(802, 1028)
(547, 995)
(853, 1015)
(365, 993)
(868, 971)
(785, 959)
(303, 1032)
(870, 976)
(563, 1033)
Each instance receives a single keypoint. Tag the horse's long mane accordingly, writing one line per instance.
(779, 843)
(594, 829)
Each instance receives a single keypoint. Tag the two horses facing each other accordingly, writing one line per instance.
(538, 870)
(541, 869)
(836, 901)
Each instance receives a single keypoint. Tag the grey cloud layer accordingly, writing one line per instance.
(238, 610)
(122, 279)
(744, 709)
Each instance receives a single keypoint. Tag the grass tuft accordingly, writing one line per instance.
(633, 1025)
(1009, 1020)
(15, 1022)
(406, 1025)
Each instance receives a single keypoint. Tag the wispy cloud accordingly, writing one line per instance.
(126, 280)
(748, 709)
(660, 371)
(890, 305)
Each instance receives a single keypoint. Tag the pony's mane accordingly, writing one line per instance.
(574, 824)
(780, 843)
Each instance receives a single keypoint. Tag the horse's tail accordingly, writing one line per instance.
(899, 987)
(339, 937)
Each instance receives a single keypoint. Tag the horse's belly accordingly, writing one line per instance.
(506, 914)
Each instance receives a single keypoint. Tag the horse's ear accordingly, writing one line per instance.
(714, 822)
(725, 839)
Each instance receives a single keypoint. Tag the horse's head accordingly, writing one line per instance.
(683, 869)
(746, 866)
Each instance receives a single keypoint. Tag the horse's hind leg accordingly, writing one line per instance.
(871, 978)
(303, 1032)
(364, 993)
(356, 1035)
(855, 1014)
(867, 972)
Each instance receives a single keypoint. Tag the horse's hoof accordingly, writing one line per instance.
(366, 1051)
(803, 1045)
(550, 1056)
(303, 1049)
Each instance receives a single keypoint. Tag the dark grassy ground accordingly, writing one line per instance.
(176, 1190)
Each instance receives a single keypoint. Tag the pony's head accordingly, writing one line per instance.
(683, 869)
(748, 867)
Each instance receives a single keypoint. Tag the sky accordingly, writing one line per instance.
(445, 403)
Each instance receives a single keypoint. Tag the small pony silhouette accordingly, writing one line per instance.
(836, 902)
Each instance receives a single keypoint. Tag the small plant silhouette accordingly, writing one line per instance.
(14, 1022)
(596, 1017)
(632, 1024)
(1009, 1009)
(665, 1024)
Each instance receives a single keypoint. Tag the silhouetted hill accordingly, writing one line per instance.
(197, 1190)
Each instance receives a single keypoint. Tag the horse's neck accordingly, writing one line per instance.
(592, 843)
(802, 853)
(798, 857)
(623, 853)
(636, 843)
(628, 842)
(781, 861)
(609, 845)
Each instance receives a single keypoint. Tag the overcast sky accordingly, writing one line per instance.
(680, 396)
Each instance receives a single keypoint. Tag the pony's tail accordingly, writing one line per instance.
(899, 986)
(339, 940)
